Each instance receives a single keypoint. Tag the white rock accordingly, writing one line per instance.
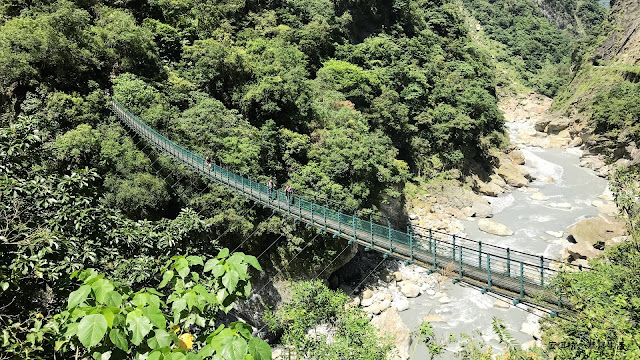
(531, 327)
(384, 305)
(276, 353)
(431, 292)
(410, 289)
(501, 304)
(389, 324)
(494, 228)
(367, 294)
(366, 302)
(557, 234)
(413, 217)
(401, 303)
(444, 300)
(538, 196)
(375, 309)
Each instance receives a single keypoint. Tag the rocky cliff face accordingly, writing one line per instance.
(610, 63)
(622, 45)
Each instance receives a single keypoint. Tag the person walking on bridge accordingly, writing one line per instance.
(288, 191)
(208, 161)
(270, 187)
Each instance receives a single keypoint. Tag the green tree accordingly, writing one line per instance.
(313, 305)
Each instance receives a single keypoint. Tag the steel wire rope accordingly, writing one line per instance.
(269, 247)
(315, 278)
(173, 172)
(289, 262)
(254, 231)
(366, 277)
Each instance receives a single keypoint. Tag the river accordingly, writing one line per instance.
(569, 196)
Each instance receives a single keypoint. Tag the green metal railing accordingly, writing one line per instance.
(492, 267)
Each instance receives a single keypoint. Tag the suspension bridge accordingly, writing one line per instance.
(517, 275)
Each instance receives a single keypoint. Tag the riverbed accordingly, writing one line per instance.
(539, 228)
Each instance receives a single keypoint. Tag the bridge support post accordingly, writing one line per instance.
(488, 271)
(508, 262)
(541, 270)
(371, 228)
(340, 222)
(325, 216)
(435, 257)
(460, 263)
(430, 239)
(355, 237)
(300, 209)
(521, 280)
(410, 232)
(453, 248)
(480, 254)
(312, 205)
(389, 234)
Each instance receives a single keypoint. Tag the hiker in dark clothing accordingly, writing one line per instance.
(288, 191)
(208, 161)
(270, 186)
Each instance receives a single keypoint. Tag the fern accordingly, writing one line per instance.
(505, 337)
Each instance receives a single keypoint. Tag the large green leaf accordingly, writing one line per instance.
(161, 339)
(233, 347)
(251, 260)
(166, 277)
(139, 326)
(182, 267)
(114, 299)
(208, 266)
(91, 329)
(78, 296)
(101, 288)
(156, 316)
(174, 356)
(230, 280)
(119, 339)
(223, 253)
(195, 260)
(259, 349)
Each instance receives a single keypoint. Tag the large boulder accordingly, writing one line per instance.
(482, 209)
(541, 125)
(557, 125)
(390, 324)
(517, 157)
(590, 236)
(494, 228)
(512, 175)
(489, 189)
(410, 289)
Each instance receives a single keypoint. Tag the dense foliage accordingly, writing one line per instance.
(615, 117)
(319, 323)
(538, 50)
(342, 100)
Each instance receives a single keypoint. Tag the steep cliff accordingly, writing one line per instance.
(602, 98)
